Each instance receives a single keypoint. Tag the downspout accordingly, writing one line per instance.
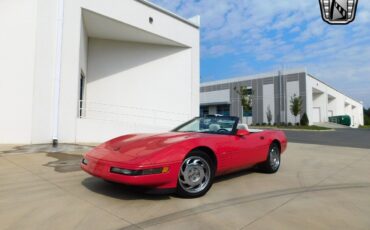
(280, 99)
(57, 77)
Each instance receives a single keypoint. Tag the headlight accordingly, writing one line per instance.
(129, 172)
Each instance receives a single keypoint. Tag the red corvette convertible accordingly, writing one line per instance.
(188, 158)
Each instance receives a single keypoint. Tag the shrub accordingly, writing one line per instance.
(290, 124)
(304, 120)
(274, 124)
(264, 124)
(257, 124)
(282, 124)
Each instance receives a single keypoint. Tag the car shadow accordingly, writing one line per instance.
(233, 175)
(123, 192)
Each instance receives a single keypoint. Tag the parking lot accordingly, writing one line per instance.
(317, 187)
(356, 138)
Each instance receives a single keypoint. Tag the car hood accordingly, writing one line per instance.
(139, 148)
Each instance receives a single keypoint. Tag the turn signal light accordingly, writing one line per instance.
(165, 169)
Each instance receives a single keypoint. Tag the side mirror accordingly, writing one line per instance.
(242, 133)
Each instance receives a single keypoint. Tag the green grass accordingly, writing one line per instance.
(312, 127)
(365, 127)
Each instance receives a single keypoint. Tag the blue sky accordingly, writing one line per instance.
(246, 37)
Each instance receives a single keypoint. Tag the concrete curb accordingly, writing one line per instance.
(305, 130)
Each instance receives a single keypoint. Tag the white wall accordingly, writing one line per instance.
(135, 14)
(320, 102)
(84, 46)
(139, 75)
(332, 106)
(28, 64)
(338, 105)
(218, 96)
(141, 84)
(268, 101)
(44, 71)
(17, 52)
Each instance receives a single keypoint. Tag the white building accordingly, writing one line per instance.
(273, 91)
(89, 70)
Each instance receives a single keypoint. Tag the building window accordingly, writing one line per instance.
(247, 113)
(249, 91)
(204, 111)
(223, 110)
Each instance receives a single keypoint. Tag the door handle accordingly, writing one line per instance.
(262, 138)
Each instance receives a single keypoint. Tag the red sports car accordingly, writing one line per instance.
(188, 158)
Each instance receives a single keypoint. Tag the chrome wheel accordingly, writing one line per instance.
(274, 158)
(195, 174)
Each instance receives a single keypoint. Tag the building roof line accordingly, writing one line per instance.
(165, 11)
(253, 77)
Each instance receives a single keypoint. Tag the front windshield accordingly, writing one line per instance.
(214, 125)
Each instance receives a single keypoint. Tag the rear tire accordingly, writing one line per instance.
(272, 164)
(196, 175)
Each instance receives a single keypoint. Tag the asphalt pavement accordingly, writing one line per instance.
(355, 138)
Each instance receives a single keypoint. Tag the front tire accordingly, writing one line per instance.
(196, 175)
(272, 164)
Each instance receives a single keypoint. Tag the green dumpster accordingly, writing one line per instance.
(342, 120)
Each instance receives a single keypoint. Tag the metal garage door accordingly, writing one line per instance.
(316, 114)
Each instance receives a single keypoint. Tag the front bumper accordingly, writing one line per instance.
(102, 169)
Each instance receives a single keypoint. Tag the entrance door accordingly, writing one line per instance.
(316, 114)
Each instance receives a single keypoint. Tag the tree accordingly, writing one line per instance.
(304, 120)
(269, 115)
(368, 112)
(367, 116)
(245, 98)
(295, 106)
(366, 119)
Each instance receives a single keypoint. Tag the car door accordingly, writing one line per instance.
(241, 152)
(252, 149)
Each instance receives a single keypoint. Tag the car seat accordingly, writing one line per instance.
(214, 127)
(245, 127)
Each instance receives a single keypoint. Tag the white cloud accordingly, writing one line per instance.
(218, 50)
(272, 33)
